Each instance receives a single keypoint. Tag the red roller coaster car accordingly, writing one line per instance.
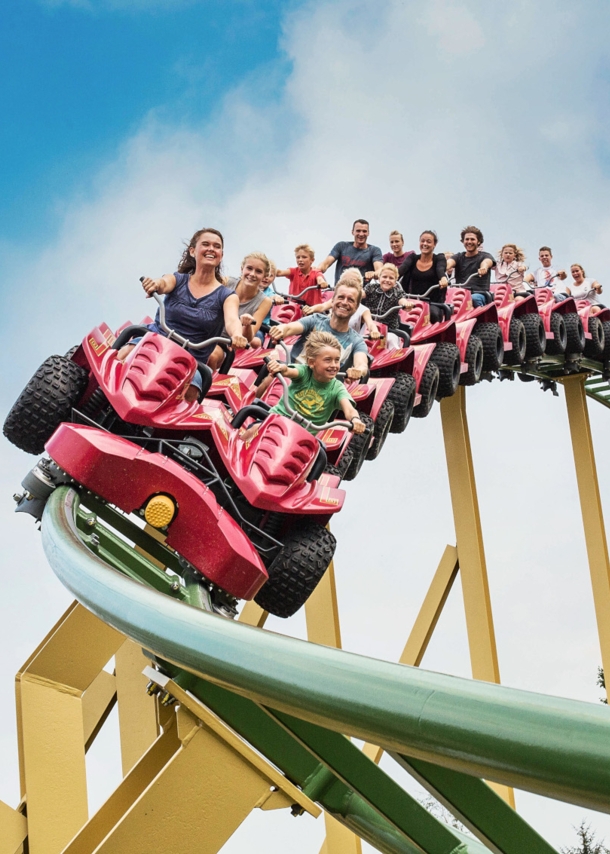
(247, 517)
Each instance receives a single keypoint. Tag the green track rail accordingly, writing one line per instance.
(296, 701)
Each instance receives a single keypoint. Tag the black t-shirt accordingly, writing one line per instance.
(465, 266)
(416, 281)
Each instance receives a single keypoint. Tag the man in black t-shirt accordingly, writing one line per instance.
(473, 260)
(357, 253)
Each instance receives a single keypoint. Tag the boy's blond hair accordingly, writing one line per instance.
(260, 256)
(392, 268)
(316, 341)
(305, 247)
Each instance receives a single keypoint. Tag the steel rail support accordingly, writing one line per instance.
(591, 507)
(323, 627)
(471, 552)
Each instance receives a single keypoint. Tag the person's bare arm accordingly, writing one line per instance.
(351, 414)
(359, 368)
(274, 367)
(597, 287)
(283, 274)
(233, 323)
(326, 263)
(450, 264)
(163, 285)
(317, 308)
(285, 330)
(259, 315)
(485, 267)
(371, 326)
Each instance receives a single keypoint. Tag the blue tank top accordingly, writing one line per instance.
(194, 318)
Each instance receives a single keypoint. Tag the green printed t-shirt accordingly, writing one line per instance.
(314, 400)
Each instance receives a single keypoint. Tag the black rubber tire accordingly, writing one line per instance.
(71, 351)
(518, 339)
(343, 465)
(359, 447)
(474, 359)
(447, 357)
(336, 470)
(557, 345)
(402, 395)
(606, 326)
(534, 335)
(45, 402)
(493, 345)
(428, 388)
(595, 345)
(296, 571)
(383, 422)
(526, 378)
(575, 333)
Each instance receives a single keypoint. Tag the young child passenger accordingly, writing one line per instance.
(511, 269)
(304, 275)
(266, 288)
(314, 391)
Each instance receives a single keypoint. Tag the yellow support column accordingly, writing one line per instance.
(14, 829)
(591, 508)
(322, 618)
(471, 553)
(138, 721)
(54, 723)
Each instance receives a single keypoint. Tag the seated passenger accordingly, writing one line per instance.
(510, 269)
(473, 260)
(421, 272)
(547, 276)
(345, 302)
(198, 305)
(582, 288)
(315, 392)
(361, 320)
(304, 275)
(397, 254)
(266, 288)
(253, 305)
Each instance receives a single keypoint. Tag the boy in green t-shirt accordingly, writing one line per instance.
(315, 392)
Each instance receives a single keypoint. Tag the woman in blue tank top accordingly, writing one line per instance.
(197, 304)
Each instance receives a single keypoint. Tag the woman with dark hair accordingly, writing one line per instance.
(198, 305)
(422, 271)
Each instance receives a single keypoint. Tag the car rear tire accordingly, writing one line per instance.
(45, 402)
(383, 423)
(428, 388)
(534, 335)
(474, 360)
(557, 345)
(402, 395)
(447, 357)
(295, 572)
(518, 339)
(575, 333)
(595, 345)
(493, 345)
(359, 447)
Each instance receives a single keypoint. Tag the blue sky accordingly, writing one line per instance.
(128, 124)
(76, 79)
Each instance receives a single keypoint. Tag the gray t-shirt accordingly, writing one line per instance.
(351, 342)
(348, 255)
(244, 307)
(467, 265)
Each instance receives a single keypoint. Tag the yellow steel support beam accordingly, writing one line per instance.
(426, 621)
(323, 627)
(253, 615)
(14, 829)
(471, 553)
(98, 701)
(55, 721)
(591, 508)
(138, 721)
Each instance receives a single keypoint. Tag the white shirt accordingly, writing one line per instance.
(543, 276)
(585, 291)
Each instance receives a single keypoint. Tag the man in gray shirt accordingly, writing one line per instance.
(357, 253)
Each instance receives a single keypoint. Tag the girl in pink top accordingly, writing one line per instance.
(511, 268)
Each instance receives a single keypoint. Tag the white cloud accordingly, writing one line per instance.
(467, 112)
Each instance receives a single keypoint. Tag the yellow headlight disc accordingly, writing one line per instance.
(159, 511)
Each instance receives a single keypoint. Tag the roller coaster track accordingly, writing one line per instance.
(287, 708)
